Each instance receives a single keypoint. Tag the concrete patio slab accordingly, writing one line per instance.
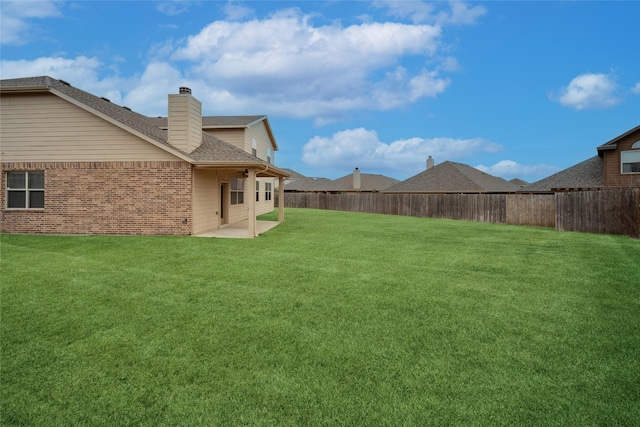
(239, 230)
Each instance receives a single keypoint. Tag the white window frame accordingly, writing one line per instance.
(269, 155)
(632, 161)
(254, 147)
(237, 191)
(257, 191)
(267, 191)
(28, 189)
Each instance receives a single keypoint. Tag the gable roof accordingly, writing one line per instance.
(451, 177)
(613, 144)
(224, 122)
(368, 182)
(308, 184)
(519, 182)
(293, 175)
(213, 151)
(586, 174)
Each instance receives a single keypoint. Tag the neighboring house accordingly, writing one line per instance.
(616, 165)
(621, 157)
(519, 182)
(451, 177)
(308, 185)
(358, 182)
(293, 176)
(582, 176)
(353, 183)
(75, 163)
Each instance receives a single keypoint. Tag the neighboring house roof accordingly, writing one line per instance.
(368, 182)
(293, 175)
(212, 151)
(223, 122)
(217, 121)
(612, 145)
(586, 174)
(451, 177)
(519, 182)
(308, 184)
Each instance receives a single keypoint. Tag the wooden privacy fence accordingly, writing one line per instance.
(614, 211)
(610, 211)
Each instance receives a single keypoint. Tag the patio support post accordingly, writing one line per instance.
(280, 199)
(251, 196)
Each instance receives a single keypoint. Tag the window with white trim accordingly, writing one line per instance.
(237, 191)
(254, 147)
(267, 190)
(269, 155)
(630, 161)
(257, 191)
(25, 190)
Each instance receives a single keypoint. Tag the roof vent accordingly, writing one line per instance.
(185, 91)
(65, 83)
(106, 99)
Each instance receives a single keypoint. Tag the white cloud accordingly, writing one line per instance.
(636, 89)
(508, 169)
(283, 65)
(16, 19)
(589, 91)
(173, 7)
(79, 69)
(421, 11)
(235, 11)
(362, 148)
(286, 64)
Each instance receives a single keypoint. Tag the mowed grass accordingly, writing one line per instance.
(331, 318)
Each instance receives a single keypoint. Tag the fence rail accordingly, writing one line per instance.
(611, 211)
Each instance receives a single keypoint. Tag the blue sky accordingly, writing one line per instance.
(515, 88)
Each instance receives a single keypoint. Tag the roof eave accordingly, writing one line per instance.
(17, 89)
(613, 142)
(269, 169)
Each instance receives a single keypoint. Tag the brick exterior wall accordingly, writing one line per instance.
(105, 198)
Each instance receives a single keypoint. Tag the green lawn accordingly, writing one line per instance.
(331, 318)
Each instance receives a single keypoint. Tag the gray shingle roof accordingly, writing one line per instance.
(586, 174)
(308, 184)
(451, 177)
(293, 175)
(212, 149)
(215, 121)
(368, 182)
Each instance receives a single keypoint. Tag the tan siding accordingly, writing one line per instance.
(43, 127)
(259, 132)
(264, 206)
(185, 122)
(231, 136)
(206, 200)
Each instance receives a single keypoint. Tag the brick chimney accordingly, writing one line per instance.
(429, 163)
(356, 179)
(185, 121)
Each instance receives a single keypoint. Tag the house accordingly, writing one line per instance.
(308, 184)
(293, 176)
(356, 182)
(584, 175)
(621, 158)
(75, 163)
(452, 177)
(617, 164)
